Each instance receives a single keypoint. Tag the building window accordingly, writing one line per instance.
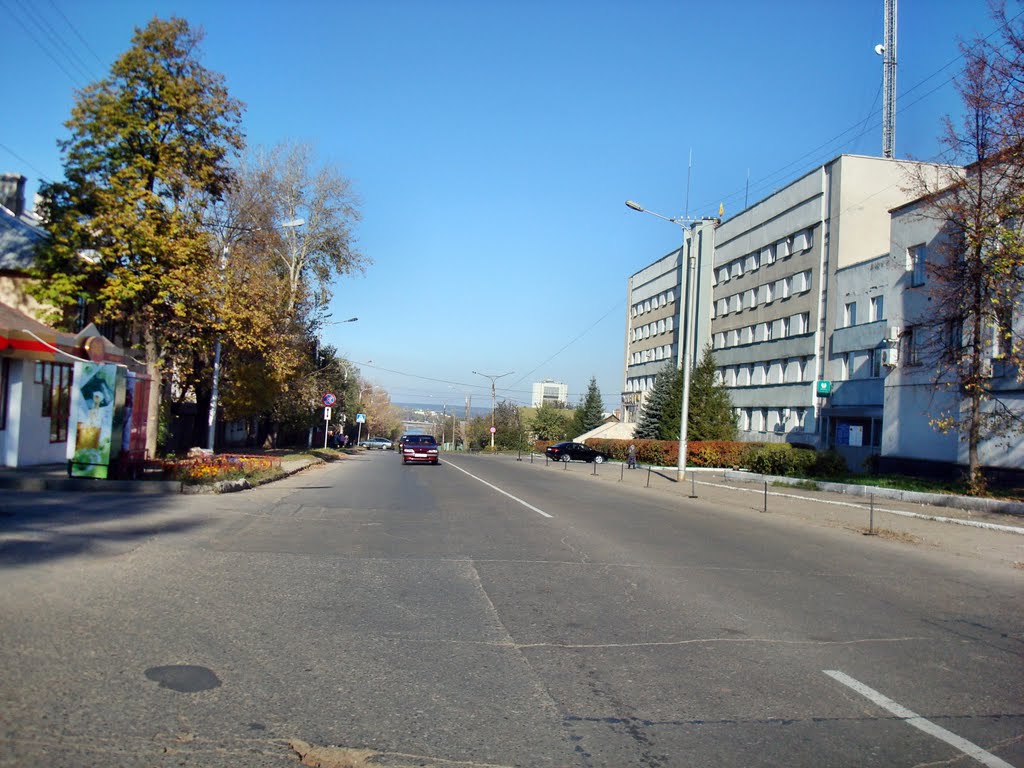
(55, 379)
(671, 296)
(955, 334)
(877, 308)
(876, 363)
(5, 376)
(912, 343)
(850, 315)
(917, 264)
(1002, 339)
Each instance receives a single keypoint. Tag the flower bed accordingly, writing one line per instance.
(221, 466)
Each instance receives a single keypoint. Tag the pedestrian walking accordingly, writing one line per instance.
(631, 456)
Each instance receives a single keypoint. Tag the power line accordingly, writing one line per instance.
(42, 46)
(21, 159)
(769, 179)
(59, 43)
(72, 27)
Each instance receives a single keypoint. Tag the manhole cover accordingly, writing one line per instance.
(184, 678)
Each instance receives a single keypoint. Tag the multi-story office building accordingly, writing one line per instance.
(549, 392)
(775, 288)
(766, 297)
(655, 313)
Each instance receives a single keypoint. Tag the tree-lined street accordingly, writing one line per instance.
(493, 612)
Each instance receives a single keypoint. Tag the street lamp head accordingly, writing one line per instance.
(634, 205)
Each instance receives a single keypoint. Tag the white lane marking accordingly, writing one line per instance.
(914, 719)
(506, 493)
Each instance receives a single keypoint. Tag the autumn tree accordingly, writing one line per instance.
(589, 413)
(150, 147)
(973, 269)
(288, 184)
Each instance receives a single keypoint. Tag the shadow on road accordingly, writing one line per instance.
(40, 527)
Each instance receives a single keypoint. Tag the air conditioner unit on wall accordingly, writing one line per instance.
(890, 358)
(894, 333)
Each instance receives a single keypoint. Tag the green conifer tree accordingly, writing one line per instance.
(650, 425)
(711, 415)
(589, 413)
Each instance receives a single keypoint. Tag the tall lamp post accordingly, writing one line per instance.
(688, 329)
(493, 378)
(215, 390)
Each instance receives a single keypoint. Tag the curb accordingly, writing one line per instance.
(968, 503)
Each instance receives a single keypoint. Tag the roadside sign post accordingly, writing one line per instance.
(360, 420)
(327, 420)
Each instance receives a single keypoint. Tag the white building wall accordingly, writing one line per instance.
(26, 440)
(914, 396)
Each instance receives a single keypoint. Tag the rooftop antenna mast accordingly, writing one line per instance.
(887, 50)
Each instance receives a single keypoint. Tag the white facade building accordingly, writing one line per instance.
(915, 392)
(656, 314)
(549, 392)
(775, 289)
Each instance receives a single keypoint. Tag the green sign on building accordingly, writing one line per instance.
(824, 388)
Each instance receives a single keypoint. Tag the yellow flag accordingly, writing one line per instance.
(721, 210)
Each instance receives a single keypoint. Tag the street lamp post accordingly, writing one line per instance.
(688, 329)
(493, 378)
(215, 389)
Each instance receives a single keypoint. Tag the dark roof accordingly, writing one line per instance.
(18, 241)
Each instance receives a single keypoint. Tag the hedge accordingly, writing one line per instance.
(764, 458)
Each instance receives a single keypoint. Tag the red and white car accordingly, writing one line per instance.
(419, 448)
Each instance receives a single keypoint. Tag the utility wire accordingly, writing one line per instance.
(85, 43)
(769, 180)
(58, 42)
(42, 46)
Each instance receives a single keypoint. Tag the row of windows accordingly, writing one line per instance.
(863, 364)
(665, 325)
(772, 419)
(768, 254)
(657, 353)
(661, 300)
(764, 294)
(876, 310)
(784, 327)
(640, 384)
(791, 371)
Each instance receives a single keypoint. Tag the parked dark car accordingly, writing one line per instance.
(419, 448)
(574, 452)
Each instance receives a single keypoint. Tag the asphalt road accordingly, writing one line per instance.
(491, 613)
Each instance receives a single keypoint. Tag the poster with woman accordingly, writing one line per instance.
(95, 401)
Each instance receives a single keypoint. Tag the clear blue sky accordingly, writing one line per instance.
(494, 143)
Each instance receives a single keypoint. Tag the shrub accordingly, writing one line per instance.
(718, 453)
(830, 464)
(781, 459)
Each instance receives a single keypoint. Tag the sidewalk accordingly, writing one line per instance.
(993, 536)
(54, 477)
